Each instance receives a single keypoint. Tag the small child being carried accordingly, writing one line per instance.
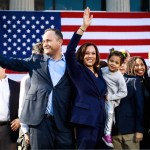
(117, 90)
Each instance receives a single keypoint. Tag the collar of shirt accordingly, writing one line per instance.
(4, 80)
(62, 58)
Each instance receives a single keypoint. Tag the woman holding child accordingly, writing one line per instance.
(88, 112)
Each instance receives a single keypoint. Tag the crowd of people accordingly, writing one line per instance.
(75, 100)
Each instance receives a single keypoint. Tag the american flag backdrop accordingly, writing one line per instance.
(19, 30)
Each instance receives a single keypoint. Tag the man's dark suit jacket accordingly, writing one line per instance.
(14, 104)
(88, 108)
(41, 85)
(129, 114)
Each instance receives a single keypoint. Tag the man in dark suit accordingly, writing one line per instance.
(48, 102)
(9, 102)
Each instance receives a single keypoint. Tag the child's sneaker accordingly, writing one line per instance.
(108, 140)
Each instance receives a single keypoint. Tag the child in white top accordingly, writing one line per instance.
(116, 90)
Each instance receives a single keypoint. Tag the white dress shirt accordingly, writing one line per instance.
(4, 100)
(24, 88)
(56, 69)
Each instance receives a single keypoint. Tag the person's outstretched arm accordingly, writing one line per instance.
(87, 19)
(71, 48)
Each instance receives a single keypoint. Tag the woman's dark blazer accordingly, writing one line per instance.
(129, 114)
(89, 104)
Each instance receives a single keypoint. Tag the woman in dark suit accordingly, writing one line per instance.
(89, 106)
(137, 66)
(128, 127)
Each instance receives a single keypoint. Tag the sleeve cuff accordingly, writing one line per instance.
(24, 128)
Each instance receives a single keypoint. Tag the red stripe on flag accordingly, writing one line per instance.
(106, 15)
(14, 72)
(114, 42)
(143, 55)
(108, 28)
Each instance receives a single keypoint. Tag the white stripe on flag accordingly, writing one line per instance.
(16, 77)
(108, 22)
(131, 49)
(110, 35)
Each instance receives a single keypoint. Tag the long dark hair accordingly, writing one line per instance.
(131, 64)
(130, 70)
(81, 53)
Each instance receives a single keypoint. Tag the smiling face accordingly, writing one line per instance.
(114, 63)
(90, 56)
(51, 43)
(139, 67)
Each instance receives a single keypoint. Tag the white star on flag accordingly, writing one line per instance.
(9, 22)
(42, 18)
(28, 48)
(18, 22)
(4, 52)
(33, 18)
(23, 17)
(14, 36)
(4, 26)
(42, 27)
(9, 40)
(18, 30)
(28, 31)
(5, 35)
(47, 22)
(9, 48)
(24, 52)
(14, 26)
(18, 48)
(52, 26)
(14, 44)
(24, 36)
(4, 17)
(28, 40)
(14, 52)
(13, 17)
(27, 22)
(18, 40)
(52, 17)
(33, 26)
(37, 22)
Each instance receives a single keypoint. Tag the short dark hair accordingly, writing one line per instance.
(81, 53)
(122, 55)
(103, 64)
(38, 48)
(57, 32)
